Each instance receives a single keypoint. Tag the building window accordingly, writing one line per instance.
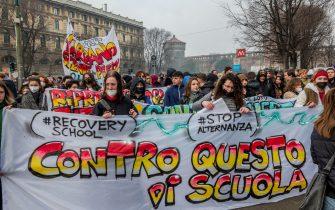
(42, 40)
(106, 32)
(56, 11)
(124, 38)
(72, 15)
(72, 24)
(40, 7)
(85, 17)
(6, 38)
(4, 13)
(131, 39)
(96, 31)
(96, 20)
(85, 29)
(57, 24)
(57, 43)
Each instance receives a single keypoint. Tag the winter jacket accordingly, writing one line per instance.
(303, 96)
(331, 83)
(32, 101)
(121, 107)
(142, 98)
(173, 95)
(289, 95)
(207, 88)
(192, 99)
(322, 150)
(266, 88)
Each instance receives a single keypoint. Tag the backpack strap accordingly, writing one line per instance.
(329, 165)
(104, 103)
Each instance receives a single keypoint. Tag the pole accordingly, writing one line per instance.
(18, 36)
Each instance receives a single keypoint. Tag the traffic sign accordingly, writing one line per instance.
(241, 53)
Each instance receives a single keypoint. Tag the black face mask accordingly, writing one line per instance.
(139, 90)
(230, 95)
(322, 85)
(88, 80)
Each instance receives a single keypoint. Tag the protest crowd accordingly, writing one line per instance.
(118, 93)
(309, 86)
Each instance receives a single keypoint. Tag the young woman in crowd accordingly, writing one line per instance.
(262, 86)
(89, 82)
(244, 81)
(192, 92)
(314, 92)
(24, 90)
(64, 81)
(6, 99)
(45, 83)
(323, 145)
(155, 81)
(279, 86)
(73, 85)
(33, 99)
(229, 88)
(137, 91)
(113, 101)
(293, 88)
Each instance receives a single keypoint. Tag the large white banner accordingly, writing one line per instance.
(209, 160)
(97, 55)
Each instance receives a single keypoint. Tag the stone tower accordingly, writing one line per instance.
(174, 51)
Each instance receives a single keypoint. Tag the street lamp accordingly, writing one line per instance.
(17, 22)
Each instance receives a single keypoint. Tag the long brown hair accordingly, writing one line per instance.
(291, 85)
(238, 93)
(9, 98)
(325, 125)
(188, 87)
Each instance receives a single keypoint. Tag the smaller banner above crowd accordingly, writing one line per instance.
(156, 95)
(97, 55)
(83, 101)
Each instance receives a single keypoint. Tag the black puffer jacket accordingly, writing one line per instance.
(266, 88)
(121, 107)
(322, 150)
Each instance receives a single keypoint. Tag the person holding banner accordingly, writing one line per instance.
(323, 145)
(113, 102)
(229, 88)
(137, 91)
(314, 92)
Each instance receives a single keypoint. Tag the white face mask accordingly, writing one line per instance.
(43, 84)
(298, 90)
(111, 92)
(34, 89)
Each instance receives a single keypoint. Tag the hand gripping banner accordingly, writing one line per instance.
(209, 160)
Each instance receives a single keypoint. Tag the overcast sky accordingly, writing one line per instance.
(187, 19)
